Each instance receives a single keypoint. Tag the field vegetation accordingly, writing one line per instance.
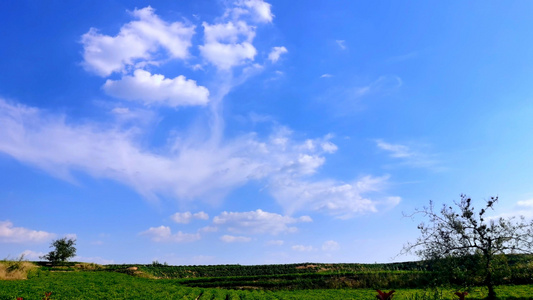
(411, 280)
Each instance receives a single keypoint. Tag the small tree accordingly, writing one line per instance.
(467, 243)
(63, 250)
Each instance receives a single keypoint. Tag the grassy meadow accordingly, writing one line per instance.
(412, 280)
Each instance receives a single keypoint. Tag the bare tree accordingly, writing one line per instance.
(471, 238)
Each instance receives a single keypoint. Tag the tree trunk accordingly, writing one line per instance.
(488, 277)
(492, 293)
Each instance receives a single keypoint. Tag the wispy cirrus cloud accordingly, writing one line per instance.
(185, 169)
(341, 44)
(409, 156)
(350, 98)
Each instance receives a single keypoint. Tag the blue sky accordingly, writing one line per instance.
(252, 132)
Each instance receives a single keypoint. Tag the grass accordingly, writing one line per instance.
(15, 269)
(112, 285)
(73, 280)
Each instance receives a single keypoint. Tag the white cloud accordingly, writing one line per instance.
(164, 234)
(258, 221)
(302, 248)
(259, 9)
(336, 198)
(187, 217)
(410, 157)
(276, 53)
(235, 239)
(329, 147)
(157, 90)
(330, 246)
(186, 168)
(10, 234)
(228, 45)
(275, 243)
(138, 42)
(525, 203)
(341, 43)
(208, 229)
(326, 75)
(396, 150)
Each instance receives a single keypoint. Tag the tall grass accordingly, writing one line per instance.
(15, 269)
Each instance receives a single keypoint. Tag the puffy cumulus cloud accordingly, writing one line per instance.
(141, 41)
(258, 221)
(11, 234)
(187, 217)
(157, 90)
(228, 45)
(235, 239)
(332, 197)
(185, 168)
(330, 246)
(164, 234)
(258, 9)
(276, 53)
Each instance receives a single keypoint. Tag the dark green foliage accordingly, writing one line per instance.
(166, 271)
(63, 250)
(467, 247)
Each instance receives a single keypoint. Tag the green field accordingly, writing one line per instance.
(298, 281)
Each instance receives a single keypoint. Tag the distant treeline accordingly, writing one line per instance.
(414, 274)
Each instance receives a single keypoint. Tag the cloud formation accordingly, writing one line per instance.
(409, 156)
(235, 239)
(258, 10)
(276, 52)
(329, 246)
(343, 200)
(187, 217)
(302, 248)
(138, 43)
(157, 90)
(11, 234)
(257, 222)
(185, 169)
(228, 45)
(164, 234)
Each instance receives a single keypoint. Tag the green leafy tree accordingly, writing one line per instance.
(466, 245)
(63, 250)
